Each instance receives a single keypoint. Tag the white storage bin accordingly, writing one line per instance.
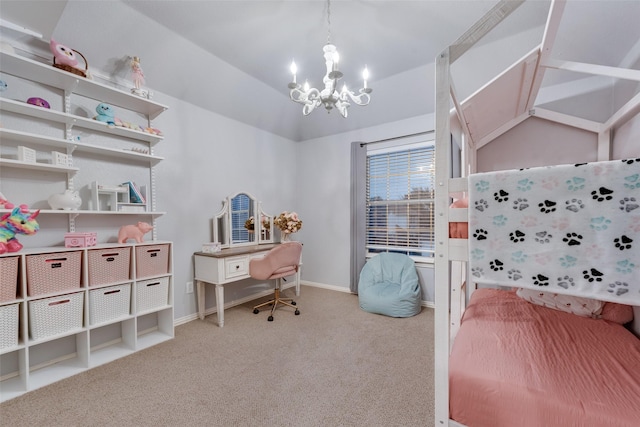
(110, 303)
(55, 315)
(152, 294)
(9, 325)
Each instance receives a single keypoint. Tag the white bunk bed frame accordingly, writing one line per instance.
(453, 120)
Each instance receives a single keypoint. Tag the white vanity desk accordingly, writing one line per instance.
(227, 266)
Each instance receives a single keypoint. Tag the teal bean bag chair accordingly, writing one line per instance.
(389, 285)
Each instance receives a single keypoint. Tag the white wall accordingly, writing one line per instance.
(323, 200)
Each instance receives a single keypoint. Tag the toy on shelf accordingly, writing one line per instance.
(133, 231)
(80, 240)
(18, 221)
(65, 58)
(69, 200)
(105, 114)
(138, 78)
(39, 102)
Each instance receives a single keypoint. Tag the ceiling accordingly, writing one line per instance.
(232, 57)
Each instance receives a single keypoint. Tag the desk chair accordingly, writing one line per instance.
(281, 261)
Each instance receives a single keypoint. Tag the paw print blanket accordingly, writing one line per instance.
(568, 229)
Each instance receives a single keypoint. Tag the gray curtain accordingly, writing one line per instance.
(358, 211)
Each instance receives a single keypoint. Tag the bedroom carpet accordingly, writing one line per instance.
(334, 365)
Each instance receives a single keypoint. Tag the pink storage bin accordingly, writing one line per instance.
(80, 240)
(108, 265)
(152, 260)
(47, 273)
(8, 278)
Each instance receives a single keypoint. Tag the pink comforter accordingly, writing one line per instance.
(516, 364)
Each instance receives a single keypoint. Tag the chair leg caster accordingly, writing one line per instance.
(270, 318)
(297, 312)
(256, 311)
(293, 303)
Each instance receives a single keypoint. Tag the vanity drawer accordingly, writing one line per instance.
(235, 267)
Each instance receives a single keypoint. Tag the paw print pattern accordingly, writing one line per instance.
(600, 223)
(514, 274)
(477, 272)
(568, 261)
(618, 288)
(547, 206)
(540, 280)
(519, 257)
(525, 184)
(517, 236)
(543, 237)
(499, 220)
(625, 266)
(496, 265)
(520, 204)
(482, 186)
(501, 196)
(592, 275)
(602, 194)
(630, 161)
(623, 242)
(481, 205)
(632, 182)
(565, 282)
(628, 204)
(480, 234)
(574, 205)
(575, 183)
(572, 239)
(477, 254)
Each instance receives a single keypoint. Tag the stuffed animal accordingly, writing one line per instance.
(18, 221)
(133, 231)
(63, 55)
(105, 114)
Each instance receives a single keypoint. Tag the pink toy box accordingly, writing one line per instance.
(80, 240)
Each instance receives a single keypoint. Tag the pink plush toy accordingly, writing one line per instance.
(133, 231)
(63, 54)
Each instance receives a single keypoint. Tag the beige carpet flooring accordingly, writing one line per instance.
(334, 365)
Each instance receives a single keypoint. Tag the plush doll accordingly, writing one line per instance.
(18, 221)
(105, 114)
(63, 55)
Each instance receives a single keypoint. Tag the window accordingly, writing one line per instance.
(400, 192)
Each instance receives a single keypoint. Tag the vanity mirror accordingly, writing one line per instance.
(242, 222)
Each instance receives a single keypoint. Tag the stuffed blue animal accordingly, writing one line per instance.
(105, 114)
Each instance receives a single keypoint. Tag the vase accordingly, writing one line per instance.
(285, 237)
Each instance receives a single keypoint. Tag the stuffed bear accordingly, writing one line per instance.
(105, 114)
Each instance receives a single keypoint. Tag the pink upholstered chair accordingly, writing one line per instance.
(280, 262)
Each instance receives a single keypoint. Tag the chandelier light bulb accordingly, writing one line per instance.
(306, 86)
(365, 76)
(294, 70)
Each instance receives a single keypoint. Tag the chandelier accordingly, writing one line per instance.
(330, 97)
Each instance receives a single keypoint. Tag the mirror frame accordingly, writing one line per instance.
(223, 227)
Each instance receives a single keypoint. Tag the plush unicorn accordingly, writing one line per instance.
(18, 221)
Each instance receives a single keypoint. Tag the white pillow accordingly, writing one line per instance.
(585, 307)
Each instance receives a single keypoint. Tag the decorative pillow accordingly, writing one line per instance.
(618, 313)
(584, 307)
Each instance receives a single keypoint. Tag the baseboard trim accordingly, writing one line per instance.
(194, 316)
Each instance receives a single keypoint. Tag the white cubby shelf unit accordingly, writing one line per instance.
(83, 322)
(97, 304)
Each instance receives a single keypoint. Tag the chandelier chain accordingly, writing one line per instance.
(328, 21)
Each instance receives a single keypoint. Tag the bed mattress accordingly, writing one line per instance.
(514, 363)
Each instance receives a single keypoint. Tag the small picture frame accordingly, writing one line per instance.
(26, 154)
(60, 159)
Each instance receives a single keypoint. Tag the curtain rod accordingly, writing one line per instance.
(362, 144)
